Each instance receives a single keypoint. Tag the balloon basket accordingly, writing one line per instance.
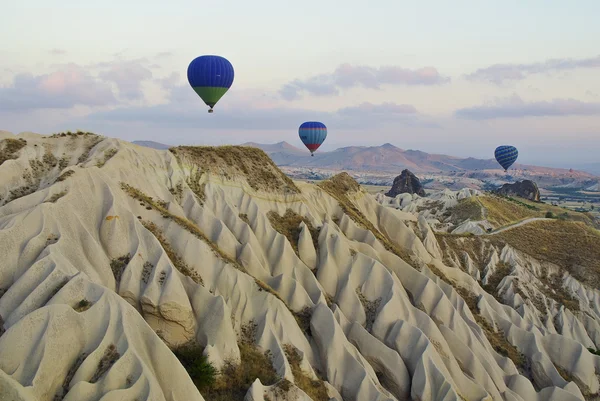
(210, 110)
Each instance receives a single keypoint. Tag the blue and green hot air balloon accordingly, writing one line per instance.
(506, 155)
(312, 134)
(210, 77)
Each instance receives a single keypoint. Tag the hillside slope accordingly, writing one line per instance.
(115, 256)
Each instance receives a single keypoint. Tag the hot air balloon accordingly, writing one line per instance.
(312, 134)
(210, 77)
(506, 155)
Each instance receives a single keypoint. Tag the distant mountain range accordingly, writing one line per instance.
(389, 158)
(152, 144)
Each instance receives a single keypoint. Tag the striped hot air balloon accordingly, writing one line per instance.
(506, 155)
(312, 134)
(210, 77)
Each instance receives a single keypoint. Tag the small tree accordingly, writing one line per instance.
(549, 215)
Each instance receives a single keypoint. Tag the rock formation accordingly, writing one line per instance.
(406, 182)
(115, 256)
(525, 189)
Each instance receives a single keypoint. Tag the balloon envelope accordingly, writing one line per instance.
(210, 77)
(506, 155)
(312, 134)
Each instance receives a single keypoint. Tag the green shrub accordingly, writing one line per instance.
(594, 351)
(550, 215)
(201, 371)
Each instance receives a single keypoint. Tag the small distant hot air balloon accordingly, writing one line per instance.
(210, 77)
(506, 155)
(312, 134)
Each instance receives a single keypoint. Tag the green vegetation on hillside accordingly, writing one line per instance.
(234, 380)
(466, 209)
(502, 211)
(314, 388)
(571, 245)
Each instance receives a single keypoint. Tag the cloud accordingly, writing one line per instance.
(387, 108)
(57, 52)
(515, 107)
(348, 76)
(164, 54)
(128, 76)
(68, 87)
(254, 110)
(499, 73)
(169, 81)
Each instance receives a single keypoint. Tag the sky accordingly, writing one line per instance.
(457, 78)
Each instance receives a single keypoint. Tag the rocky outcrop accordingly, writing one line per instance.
(406, 182)
(525, 189)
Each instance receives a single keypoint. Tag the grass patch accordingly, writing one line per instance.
(573, 246)
(594, 351)
(370, 308)
(83, 305)
(177, 192)
(201, 371)
(175, 259)
(147, 271)
(72, 134)
(559, 293)
(63, 163)
(194, 183)
(89, 146)
(475, 247)
(162, 277)
(111, 355)
(11, 148)
(235, 380)
(338, 187)
(38, 169)
(289, 226)
(459, 244)
(64, 389)
(107, 156)
(503, 211)
(231, 161)
(502, 270)
(65, 175)
(314, 388)
(466, 209)
(302, 318)
(118, 265)
(244, 218)
(57, 289)
(56, 197)
(557, 211)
